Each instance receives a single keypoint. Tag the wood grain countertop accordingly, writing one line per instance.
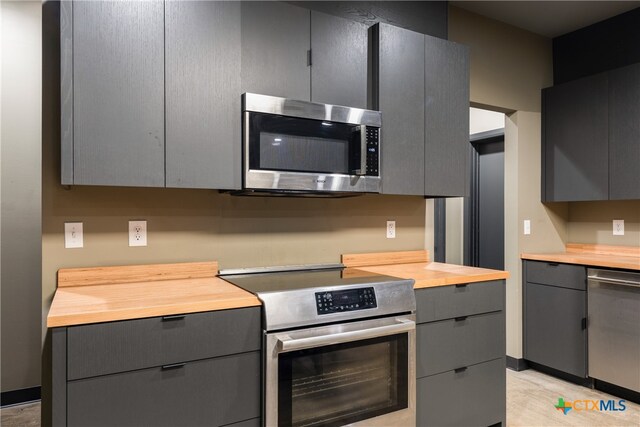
(623, 257)
(83, 296)
(415, 265)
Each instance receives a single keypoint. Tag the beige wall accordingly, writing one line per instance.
(20, 84)
(591, 222)
(509, 66)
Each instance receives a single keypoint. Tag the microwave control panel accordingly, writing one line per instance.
(346, 300)
(373, 150)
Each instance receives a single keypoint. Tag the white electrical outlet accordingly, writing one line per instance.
(391, 229)
(137, 233)
(73, 235)
(527, 226)
(618, 227)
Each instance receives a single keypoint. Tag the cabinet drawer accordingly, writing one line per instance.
(209, 392)
(474, 397)
(555, 274)
(106, 348)
(450, 344)
(447, 302)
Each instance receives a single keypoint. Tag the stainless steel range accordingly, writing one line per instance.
(339, 345)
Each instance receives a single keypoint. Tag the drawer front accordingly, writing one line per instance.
(449, 344)
(106, 348)
(211, 392)
(447, 302)
(552, 273)
(474, 397)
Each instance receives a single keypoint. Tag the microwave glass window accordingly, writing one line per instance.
(343, 383)
(303, 153)
(291, 144)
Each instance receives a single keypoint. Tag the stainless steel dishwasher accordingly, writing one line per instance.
(614, 327)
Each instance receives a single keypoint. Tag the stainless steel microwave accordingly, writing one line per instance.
(302, 148)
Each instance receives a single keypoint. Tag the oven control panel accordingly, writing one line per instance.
(345, 300)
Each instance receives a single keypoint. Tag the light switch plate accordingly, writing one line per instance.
(618, 227)
(527, 226)
(73, 235)
(137, 233)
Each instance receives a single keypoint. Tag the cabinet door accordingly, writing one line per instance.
(553, 328)
(399, 54)
(118, 93)
(275, 43)
(209, 392)
(624, 133)
(339, 61)
(203, 94)
(446, 121)
(574, 141)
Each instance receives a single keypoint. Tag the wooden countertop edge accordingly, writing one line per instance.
(433, 283)
(587, 259)
(154, 311)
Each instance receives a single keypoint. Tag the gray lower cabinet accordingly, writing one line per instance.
(202, 50)
(191, 370)
(112, 93)
(624, 133)
(338, 61)
(275, 44)
(574, 141)
(555, 311)
(421, 85)
(461, 352)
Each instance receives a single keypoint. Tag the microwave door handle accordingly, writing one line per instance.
(363, 151)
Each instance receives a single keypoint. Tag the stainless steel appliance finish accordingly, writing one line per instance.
(614, 327)
(339, 348)
(291, 180)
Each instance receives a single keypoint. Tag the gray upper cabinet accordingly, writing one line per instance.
(113, 93)
(400, 98)
(275, 45)
(339, 61)
(624, 133)
(446, 118)
(202, 48)
(574, 149)
(421, 85)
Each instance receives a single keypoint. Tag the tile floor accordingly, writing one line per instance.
(531, 397)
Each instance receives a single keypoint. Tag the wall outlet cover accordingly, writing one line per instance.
(527, 226)
(73, 237)
(137, 233)
(391, 229)
(618, 227)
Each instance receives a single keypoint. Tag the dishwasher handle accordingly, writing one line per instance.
(613, 281)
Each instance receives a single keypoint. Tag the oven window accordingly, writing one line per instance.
(344, 383)
(291, 144)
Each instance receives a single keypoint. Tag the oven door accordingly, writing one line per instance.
(292, 153)
(360, 373)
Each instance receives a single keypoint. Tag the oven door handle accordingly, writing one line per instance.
(287, 343)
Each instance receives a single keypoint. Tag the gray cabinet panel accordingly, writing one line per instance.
(450, 344)
(473, 397)
(209, 392)
(446, 118)
(66, 92)
(202, 45)
(624, 133)
(575, 148)
(58, 378)
(105, 348)
(254, 422)
(553, 328)
(339, 61)
(555, 274)
(118, 93)
(448, 302)
(275, 42)
(399, 55)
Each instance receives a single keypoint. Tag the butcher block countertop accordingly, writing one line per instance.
(624, 257)
(106, 294)
(415, 265)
